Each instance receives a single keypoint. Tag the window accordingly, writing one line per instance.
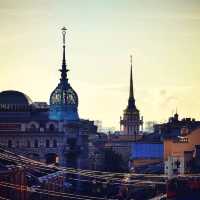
(36, 144)
(54, 143)
(47, 144)
(28, 144)
(51, 128)
(71, 143)
(17, 144)
(9, 144)
(33, 127)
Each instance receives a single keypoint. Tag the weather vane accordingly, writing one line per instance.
(63, 33)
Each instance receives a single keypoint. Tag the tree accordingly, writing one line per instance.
(113, 162)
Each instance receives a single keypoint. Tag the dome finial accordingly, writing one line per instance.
(64, 33)
(64, 66)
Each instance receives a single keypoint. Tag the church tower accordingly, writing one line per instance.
(64, 100)
(130, 123)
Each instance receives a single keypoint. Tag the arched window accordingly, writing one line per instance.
(33, 127)
(36, 143)
(28, 144)
(54, 143)
(47, 143)
(51, 128)
(9, 143)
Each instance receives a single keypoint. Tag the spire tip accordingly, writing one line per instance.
(64, 69)
(131, 59)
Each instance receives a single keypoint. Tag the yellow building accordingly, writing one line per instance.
(180, 151)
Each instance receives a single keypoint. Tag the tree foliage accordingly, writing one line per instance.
(113, 162)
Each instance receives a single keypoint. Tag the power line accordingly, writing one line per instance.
(38, 166)
(49, 192)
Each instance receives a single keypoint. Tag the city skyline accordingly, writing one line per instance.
(99, 42)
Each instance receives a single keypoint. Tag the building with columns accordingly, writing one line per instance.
(131, 123)
(51, 133)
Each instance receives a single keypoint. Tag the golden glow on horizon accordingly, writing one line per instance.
(163, 37)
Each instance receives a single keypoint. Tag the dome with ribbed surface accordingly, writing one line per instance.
(64, 99)
(14, 97)
(64, 96)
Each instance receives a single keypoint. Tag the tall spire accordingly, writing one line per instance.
(131, 80)
(131, 100)
(64, 69)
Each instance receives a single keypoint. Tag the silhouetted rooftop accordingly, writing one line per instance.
(14, 97)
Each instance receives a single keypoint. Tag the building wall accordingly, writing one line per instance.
(62, 135)
(122, 149)
(172, 147)
(145, 154)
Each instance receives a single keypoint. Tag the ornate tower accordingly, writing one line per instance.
(64, 100)
(131, 122)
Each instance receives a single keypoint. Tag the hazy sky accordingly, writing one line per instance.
(162, 35)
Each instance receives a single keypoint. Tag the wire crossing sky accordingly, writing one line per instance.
(163, 37)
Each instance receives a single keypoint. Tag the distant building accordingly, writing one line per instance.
(131, 122)
(148, 154)
(98, 123)
(96, 150)
(149, 126)
(50, 133)
(175, 126)
(143, 151)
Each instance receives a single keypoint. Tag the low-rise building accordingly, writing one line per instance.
(181, 152)
(146, 153)
(175, 126)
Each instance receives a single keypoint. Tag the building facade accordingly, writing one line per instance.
(181, 153)
(51, 133)
(131, 123)
(176, 126)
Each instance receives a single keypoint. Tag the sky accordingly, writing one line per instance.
(162, 35)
